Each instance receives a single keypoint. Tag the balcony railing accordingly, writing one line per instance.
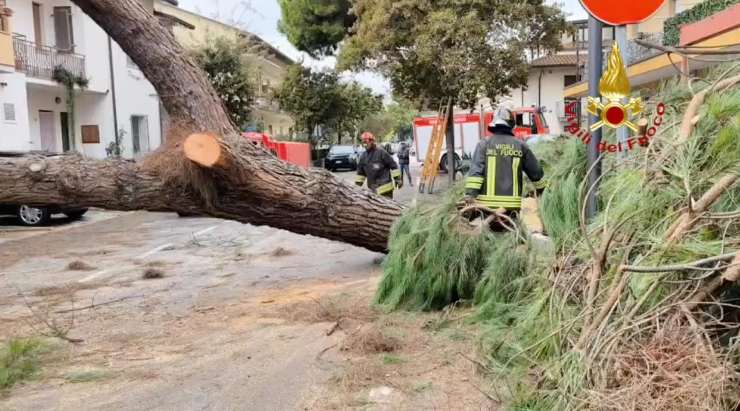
(39, 61)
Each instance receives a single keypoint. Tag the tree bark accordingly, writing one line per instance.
(248, 184)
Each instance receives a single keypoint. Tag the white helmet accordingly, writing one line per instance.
(504, 117)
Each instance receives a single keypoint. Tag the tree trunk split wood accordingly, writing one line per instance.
(228, 177)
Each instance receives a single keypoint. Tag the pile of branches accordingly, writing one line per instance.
(638, 309)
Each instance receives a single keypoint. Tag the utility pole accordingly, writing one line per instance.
(623, 133)
(595, 69)
(451, 142)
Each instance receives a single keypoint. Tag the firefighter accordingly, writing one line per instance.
(378, 168)
(495, 178)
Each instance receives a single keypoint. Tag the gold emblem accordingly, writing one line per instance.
(614, 87)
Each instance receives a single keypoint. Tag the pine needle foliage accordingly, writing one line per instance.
(436, 259)
(562, 341)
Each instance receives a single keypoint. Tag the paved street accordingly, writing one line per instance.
(214, 328)
(191, 335)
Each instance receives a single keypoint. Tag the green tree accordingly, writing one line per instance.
(225, 62)
(319, 98)
(311, 98)
(315, 26)
(395, 122)
(432, 50)
(402, 114)
(356, 103)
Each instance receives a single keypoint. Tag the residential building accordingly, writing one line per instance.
(552, 77)
(648, 67)
(39, 36)
(270, 64)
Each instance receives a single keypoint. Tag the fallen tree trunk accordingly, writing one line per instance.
(247, 184)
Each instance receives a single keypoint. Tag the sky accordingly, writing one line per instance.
(261, 18)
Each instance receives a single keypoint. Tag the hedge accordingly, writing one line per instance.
(699, 12)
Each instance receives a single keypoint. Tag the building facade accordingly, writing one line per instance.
(270, 65)
(36, 39)
(647, 68)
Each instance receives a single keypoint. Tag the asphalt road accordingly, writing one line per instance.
(203, 336)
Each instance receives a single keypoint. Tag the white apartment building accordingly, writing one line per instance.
(44, 34)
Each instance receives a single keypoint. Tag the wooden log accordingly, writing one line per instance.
(256, 188)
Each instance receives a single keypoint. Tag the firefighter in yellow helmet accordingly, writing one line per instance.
(378, 168)
(496, 176)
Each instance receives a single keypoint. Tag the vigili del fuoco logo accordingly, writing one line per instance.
(612, 110)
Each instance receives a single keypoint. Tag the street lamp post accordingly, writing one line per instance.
(595, 69)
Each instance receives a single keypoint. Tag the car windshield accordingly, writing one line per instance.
(342, 150)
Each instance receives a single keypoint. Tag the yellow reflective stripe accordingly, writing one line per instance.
(476, 183)
(541, 185)
(498, 202)
(395, 173)
(360, 179)
(491, 172)
(385, 188)
(515, 173)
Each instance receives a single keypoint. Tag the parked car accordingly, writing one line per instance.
(38, 216)
(342, 157)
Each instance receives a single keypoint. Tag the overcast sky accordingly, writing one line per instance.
(261, 18)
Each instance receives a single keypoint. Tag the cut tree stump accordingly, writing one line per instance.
(219, 175)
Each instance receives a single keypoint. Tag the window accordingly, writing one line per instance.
(570, 80)
(140, 134)
(38, 28)
(9, 112)
(63, 32)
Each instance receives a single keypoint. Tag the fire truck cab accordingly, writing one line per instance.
(530, 122)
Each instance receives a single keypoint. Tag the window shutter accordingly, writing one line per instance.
(9, 111)
(63, 28)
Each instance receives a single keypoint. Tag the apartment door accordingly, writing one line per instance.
(66, 141)
(63, 32)
(140, 134)
(38, 28)
(47, 130)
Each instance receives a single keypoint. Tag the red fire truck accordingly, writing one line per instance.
(530, 122)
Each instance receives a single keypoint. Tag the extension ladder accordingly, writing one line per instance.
(434, 151)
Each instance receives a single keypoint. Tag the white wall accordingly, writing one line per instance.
(135, 97)
(14, 136)
(134, 94)
(551, 98)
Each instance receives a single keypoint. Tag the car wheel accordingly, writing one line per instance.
(77, 214)
(443, 163)
(33, 216)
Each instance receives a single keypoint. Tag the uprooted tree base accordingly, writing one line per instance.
(243, 183)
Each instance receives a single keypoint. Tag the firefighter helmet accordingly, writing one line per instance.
(503, 117)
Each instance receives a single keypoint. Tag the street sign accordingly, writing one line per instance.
(617, 13)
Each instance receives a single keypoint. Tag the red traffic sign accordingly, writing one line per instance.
(618, 13)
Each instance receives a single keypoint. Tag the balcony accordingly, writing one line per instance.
(39, 61)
